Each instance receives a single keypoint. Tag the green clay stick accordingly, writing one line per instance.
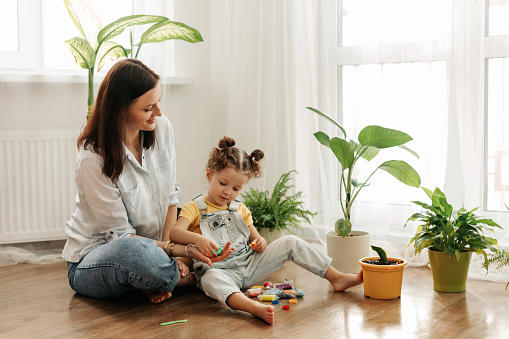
(173, 322)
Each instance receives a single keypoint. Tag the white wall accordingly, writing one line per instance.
(54, 106)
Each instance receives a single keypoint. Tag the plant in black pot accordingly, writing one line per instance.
(451, 237)
(280, 212)
(383, 276)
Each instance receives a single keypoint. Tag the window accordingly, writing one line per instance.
(33, 34)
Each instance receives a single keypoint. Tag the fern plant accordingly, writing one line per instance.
(279, 210)
(501, 257)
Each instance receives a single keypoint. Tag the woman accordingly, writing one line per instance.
(118, 237)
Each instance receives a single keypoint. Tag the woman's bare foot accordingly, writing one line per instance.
(239, 301)
(341, 281)
(156, 297)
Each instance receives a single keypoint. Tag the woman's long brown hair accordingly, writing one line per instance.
(126, 81)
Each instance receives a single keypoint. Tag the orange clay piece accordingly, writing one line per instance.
(293, 301)
(292, 292)
(252, 245)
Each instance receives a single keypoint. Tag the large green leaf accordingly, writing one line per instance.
(322, 138)
(82, 51)
(402, 171)
(344, 151)
(382, 137)
(170, 30)
(381, 253)
(328, 118)
(109, 51)
(85, 18)
(118, 26)
(366, 152)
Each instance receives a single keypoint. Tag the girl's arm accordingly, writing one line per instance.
(180, 234)
(258, 243)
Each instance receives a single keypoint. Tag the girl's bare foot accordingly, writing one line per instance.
(156, 297)
(264, 312)
(341, 281)
(239, 301)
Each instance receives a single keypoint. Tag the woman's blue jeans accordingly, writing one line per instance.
(115, 268)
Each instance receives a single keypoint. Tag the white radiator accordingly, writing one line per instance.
(37, 188)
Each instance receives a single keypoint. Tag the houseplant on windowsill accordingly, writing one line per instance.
(371, 139)
(278, 213)
(383, 277)
(451, 237)
(95, 47)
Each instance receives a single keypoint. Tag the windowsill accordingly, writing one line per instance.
(30, 77)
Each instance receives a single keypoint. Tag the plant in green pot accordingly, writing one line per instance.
(451, 237)
(278, 213)
(95, 46)
(347, 246)
(383, 276)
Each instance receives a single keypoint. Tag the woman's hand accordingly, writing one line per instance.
(259, 244)
(183, 269)
(195, 253)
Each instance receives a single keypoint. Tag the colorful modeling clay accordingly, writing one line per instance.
(287, 285)
(219, 250)
(293, 301)
(253, 292)
(275, 302)
(299, 293)
(252, 245)
(286, 307)
(285, 296)
(268, 297)
(267, 284)
(289, 291)
(257, 286)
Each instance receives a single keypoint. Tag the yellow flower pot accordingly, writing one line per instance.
(382, 281)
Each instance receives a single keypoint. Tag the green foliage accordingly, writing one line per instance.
(501, 257)
(371, 140)
(381, 253)
(448, 231)
(280, 210)
(95, 47)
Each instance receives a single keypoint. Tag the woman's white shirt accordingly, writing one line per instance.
(136, 204)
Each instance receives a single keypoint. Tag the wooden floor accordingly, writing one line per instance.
(37, 302)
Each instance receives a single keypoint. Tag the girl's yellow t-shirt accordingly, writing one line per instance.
(191, 212)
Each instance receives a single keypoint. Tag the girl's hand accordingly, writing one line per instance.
(207, 247)
(259, 244)
(195, 253)
(183, 269)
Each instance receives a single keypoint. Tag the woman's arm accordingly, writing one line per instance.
(171, 218)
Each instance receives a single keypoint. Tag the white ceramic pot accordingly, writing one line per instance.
(271, 236)
(346, 252)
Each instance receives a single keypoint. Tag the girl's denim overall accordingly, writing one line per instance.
(246, 267)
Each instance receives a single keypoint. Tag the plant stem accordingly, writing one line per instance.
(90, 91)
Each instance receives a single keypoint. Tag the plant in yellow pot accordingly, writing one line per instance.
(451, 237)
(383, 277)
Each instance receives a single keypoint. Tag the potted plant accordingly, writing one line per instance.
(95, 47)
(278, 213)
(383, 277)
(451, 237)
(349, 152)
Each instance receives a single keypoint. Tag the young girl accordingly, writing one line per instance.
(210, 222)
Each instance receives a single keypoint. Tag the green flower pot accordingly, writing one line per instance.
(449, 274)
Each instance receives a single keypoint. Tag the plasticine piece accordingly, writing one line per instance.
(268, 297)
(286, 307)
(275, 302)
(299, 293)
(289, 291)
(284, 286)
(219, 250)
(285, 296)
(293, 301)
(267, 284)
(252, 245)
(257, 286)
(253, 292)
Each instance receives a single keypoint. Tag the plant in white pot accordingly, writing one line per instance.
(350, 153)
(278, 213)
(451, 237)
